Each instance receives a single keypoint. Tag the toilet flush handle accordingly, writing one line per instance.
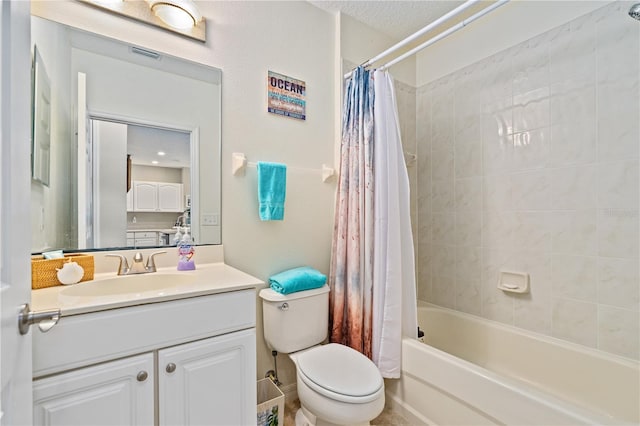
(284, 307)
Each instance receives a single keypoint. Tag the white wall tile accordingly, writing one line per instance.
(531, 110)
(468, 157)
(468, 194)
(442, 195)
(619, 331)
(533, 312)
(575, 321)
(618, 233)
(469, 264)
(443, 261)
(496, 193)
(443, 228)
(574, 188)
(531, 190)
(443, 291)
(575, 277)
(469, 296)
(619, 282)
(532, 231)
(618, 185)
(575, 232)
(531, 149)
(498, 230)
(468, 228)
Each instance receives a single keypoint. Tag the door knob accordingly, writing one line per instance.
(171, 367)
(142, 376)
(44, 319)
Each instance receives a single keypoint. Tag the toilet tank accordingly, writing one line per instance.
(295, 321)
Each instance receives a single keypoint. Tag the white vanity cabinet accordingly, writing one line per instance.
(181, 362)
(114, 393)
(204, 382)
(157, 197)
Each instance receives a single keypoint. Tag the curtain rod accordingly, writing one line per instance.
(444, 34)
(417, 34)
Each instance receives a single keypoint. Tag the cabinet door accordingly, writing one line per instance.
(209, 382)
(113, 393)
(170, 197)
(145, 196)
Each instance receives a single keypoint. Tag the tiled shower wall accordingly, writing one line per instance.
(528, 161)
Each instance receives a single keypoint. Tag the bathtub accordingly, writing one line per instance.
(472, 371)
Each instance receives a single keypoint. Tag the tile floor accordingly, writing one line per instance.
(386, 418)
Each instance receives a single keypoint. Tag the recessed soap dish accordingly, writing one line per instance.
(514, 282)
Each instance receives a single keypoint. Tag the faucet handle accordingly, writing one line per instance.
(151, 264)
(123, 266)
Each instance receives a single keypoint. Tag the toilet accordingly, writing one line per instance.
(337, 385)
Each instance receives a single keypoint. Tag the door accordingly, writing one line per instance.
(15, 230)
(209, 382)
(114, 393)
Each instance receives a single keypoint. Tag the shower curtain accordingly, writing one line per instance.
(394, 282)
(372, 278)
(351, 273)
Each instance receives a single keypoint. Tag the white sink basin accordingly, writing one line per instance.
(129, 284)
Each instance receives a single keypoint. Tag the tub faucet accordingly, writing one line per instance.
(137, 266)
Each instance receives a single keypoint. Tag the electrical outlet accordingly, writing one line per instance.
(209, 219)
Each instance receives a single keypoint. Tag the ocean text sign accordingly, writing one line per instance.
(286, 96)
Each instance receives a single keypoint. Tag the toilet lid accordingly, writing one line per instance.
(341, 370)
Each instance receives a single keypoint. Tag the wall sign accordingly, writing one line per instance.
(286, 96)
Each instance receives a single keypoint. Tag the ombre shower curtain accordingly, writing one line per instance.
(372, 278)
(351, 273)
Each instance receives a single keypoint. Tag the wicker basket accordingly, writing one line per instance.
(44, 271)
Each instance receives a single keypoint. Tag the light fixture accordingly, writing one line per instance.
(161, 153)
(180, 14)
(154, 162)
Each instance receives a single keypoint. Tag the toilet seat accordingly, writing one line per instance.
(340, 373)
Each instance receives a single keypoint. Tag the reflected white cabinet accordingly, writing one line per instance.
(157, 197)
(206, 382)
(114, 393)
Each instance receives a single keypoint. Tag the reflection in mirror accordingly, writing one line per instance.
(133, 132)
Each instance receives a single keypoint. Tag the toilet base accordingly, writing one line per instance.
(305, 418)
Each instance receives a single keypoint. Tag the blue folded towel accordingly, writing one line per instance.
(297, 279)
(272, 187)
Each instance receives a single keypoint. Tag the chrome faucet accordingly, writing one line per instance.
(137, 266)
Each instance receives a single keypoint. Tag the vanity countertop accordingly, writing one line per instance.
(163, 230)
(205, 280)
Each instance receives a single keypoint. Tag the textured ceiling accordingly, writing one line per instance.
(396, 18)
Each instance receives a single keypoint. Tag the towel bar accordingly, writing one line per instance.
(239, 165)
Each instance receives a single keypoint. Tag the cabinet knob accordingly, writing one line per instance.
(142, 376)
(171, 367)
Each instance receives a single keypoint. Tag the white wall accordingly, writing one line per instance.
(515, 22)
(47, 205)
(245, 40)
(359, 42)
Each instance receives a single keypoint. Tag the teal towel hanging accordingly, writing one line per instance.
(272, 188)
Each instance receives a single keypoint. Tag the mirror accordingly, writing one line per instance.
(132, 145)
